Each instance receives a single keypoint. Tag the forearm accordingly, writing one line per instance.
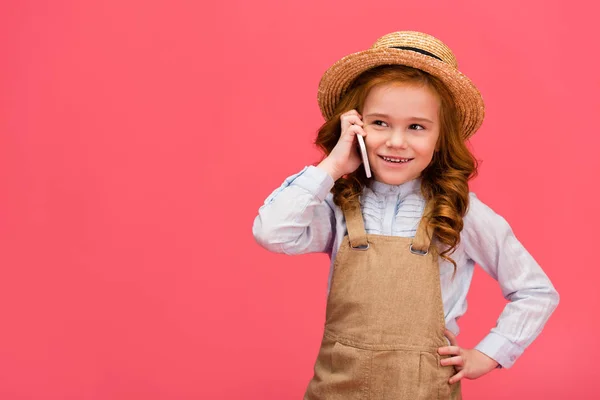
(520, 323)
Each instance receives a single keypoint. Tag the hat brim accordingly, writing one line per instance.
(337, 79)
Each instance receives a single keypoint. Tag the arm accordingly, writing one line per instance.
(491, 243)
(295, 218)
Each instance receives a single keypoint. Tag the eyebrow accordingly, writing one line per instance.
(387, 116)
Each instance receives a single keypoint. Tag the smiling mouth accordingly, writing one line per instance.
(396, 160)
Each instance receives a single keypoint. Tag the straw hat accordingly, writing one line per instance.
(414, 49)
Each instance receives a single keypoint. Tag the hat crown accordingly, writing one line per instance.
(420, 41)
(413, 49)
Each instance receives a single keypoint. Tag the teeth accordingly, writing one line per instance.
(395, 160)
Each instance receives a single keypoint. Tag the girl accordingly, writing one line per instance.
(404, 243)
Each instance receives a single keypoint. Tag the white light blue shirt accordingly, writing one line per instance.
(300, 217)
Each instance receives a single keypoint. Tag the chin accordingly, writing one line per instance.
(393, 180)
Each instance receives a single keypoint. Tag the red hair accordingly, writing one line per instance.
(444, 180)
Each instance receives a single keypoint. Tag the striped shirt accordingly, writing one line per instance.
(300, 217)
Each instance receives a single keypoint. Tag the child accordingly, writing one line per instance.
(403, 244)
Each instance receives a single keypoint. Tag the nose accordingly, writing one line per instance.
(397, 139)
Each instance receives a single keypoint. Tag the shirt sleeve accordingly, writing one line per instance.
(490, 242)
(295, 218)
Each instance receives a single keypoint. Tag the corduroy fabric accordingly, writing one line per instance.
(384, 321)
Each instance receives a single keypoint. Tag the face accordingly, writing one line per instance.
(402, 126)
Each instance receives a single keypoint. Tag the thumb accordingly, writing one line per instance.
(451, 337)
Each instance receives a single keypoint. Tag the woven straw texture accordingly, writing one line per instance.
(341, 74)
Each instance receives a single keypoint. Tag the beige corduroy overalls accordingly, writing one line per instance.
(384, 320)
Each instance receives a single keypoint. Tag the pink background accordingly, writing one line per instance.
(139, 138)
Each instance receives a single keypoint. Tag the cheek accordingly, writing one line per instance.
(424, 145)
(374, 140)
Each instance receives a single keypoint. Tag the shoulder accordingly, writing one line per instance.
(478, 209)
(480, 218)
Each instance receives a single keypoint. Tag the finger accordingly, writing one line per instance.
(458, 361)
(449, 350)
(451, 337)
(354, 130)
(351, 120)
(360, 131)
(457, 377)
(351, 112)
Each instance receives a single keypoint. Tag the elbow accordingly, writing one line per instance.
(265, 236)
(551, 298)
(545, 296)
(280, 239)
(554, 298)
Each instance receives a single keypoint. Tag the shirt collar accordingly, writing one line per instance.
(401, 190)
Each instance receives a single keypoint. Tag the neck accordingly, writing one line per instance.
(403, 188)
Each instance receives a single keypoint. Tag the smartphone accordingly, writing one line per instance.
(363, 154)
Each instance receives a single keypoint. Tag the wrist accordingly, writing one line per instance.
(493, 363)
(328, 167)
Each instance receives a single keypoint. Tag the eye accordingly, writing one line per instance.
(420, 126)
(379, 122)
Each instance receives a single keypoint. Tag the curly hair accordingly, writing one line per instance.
(444, 181)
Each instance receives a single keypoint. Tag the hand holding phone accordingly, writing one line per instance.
(345, 157)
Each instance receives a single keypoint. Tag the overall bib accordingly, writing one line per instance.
(384, 320)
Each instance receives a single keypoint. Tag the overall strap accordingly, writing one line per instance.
(422, 239)
(355, 225)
